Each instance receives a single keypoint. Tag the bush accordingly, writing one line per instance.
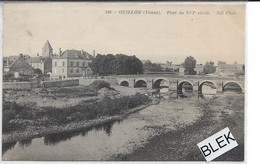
(12, 110)
(93, 110)
(77, 91)
(99, 84)
(86, 110)
(81, 91)
(7, 116)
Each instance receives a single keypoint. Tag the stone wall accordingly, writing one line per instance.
(89, 81)
(19, 85)
(60, 83)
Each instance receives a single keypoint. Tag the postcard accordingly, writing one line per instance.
(140, 81)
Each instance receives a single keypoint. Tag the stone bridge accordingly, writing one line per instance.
(176, 83)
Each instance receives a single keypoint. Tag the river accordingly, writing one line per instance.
(109, 140)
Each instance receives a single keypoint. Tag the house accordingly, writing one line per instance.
(43, 62)
(18, 66)
(71, 63)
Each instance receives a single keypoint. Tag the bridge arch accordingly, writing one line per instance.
(181, 83)
(124, 82)
(141, 82)
(234, 87)
(157, 82)
(206, 81)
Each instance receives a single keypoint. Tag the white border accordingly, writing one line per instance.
(253, 68)
(252, 62)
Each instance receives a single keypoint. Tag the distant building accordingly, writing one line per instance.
(43, 62)
(19, 65)
(169, 65)
(71, 63)
(11, 59)
(199, 69)
(224, 69)
(181, 71)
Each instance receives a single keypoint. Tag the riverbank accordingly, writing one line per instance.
(181, 144)
(29, 114)
(34, 132)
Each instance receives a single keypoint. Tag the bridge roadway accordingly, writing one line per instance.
(176, 83)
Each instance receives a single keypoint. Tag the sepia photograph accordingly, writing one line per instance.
(136, 81)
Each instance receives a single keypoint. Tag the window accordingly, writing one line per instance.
(55, 64)
(71, 63)
(83, 64)
(77, 63)
(71, 71)
(63, 63)
(77, 70)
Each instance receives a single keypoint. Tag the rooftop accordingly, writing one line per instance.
(74, 54)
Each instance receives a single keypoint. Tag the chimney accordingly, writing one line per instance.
(94, 53)
(37, 54)
(60, 51)
(82, 52)
(21, 55)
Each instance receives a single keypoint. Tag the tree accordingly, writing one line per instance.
(189, 65)
(116, 64)
(209, 68)
(152, 67)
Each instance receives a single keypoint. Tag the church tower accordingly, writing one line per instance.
(47, 50)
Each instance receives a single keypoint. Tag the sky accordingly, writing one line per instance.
(159, 38)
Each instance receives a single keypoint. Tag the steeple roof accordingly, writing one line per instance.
(47, 45)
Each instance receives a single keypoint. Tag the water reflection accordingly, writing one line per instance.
(7, 146)
(208, 90)
(164, 89)
(185, 90)
(205, 96)
(22, 144)
(54, 139)
(25, 143)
